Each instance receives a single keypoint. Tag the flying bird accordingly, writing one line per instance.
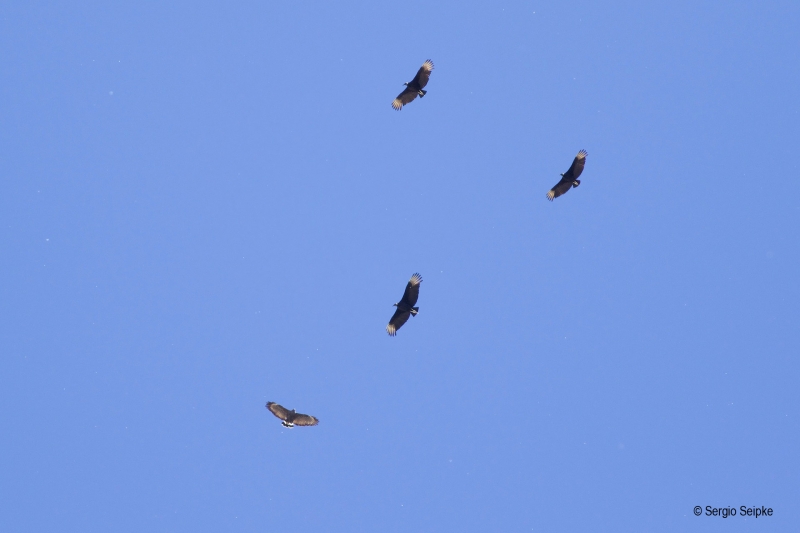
(569, 179)
(291, 418)
(405, 307)
(415, 86)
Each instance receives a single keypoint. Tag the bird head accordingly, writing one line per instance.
(405, 83)
(394, 305)
(562, 175)
(294, 411)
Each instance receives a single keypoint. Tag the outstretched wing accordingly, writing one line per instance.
(279, 411)
(412, 290)
(403, 98)
(577, 167)
(423, 74)
(560, 188)
(398, 319)
(305, 420)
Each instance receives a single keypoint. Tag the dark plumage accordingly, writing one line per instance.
(405, 307)
(291, 418)
(569, 179)
(415, 86)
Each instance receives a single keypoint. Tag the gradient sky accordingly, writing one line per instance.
(204, 207)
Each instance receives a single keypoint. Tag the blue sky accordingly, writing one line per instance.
(206, 207)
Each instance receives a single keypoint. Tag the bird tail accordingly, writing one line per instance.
(576, 183)
(414, 311)
(422, 92)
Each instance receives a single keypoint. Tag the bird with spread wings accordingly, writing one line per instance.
(291, 418)
(405, 307)
(415, 86)
(569, 179)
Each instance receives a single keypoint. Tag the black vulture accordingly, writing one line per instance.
(415, 86)
(291, 418)
(405, 307)
(569, 179)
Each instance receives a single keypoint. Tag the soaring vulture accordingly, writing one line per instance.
(415, 86)
(291, 418)
(569, 179)
(405, 307)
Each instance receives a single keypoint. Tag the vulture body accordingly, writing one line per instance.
(569, 179)
(415, 86)
(405, 307)
(291, 418)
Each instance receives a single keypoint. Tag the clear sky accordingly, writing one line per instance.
(205, 207)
